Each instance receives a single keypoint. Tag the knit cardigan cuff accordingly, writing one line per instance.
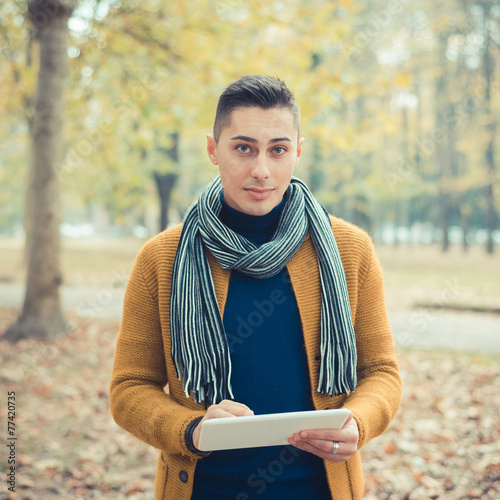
(188, 436)
(361, 430)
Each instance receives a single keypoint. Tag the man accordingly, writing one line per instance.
(259, 303)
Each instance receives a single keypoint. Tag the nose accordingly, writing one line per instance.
(260, 169)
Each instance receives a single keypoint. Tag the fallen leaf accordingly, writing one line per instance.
(390, 448)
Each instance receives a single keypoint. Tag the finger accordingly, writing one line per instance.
(325, 446)
(227, 408)
(326, 455)
(328, 435)
(218, 413)
(238, 409)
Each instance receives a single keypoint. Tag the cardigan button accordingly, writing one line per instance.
(317, 358)
(183, 476)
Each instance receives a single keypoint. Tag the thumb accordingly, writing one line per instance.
(349, 418)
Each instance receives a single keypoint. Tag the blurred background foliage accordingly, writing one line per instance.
(400, 103)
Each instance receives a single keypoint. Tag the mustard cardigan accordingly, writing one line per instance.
(141, 403)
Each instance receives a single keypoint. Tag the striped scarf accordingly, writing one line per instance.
(199, 347)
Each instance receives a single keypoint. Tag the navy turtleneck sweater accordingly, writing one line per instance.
(270, 375)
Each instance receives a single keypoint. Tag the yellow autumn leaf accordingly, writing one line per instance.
(403, 80)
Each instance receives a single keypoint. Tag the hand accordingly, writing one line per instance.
(320, 442)
(225, 408)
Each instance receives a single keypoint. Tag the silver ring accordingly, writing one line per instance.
(335, 447)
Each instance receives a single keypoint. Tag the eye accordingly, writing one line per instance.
(243, 148)
(279, 150)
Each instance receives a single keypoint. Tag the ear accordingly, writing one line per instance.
(299, 150)
(211, 147)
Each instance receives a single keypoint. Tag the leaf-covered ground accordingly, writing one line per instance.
(443, 444)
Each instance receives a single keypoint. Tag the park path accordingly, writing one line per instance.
(420, 329)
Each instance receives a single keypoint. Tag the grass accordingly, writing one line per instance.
(413, 274)
(423, 274)
(86, 262)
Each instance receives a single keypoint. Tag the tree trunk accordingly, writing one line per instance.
(406, 201)
(397, 222)
(165, 183)
(316, 168)
(464, 224)
(442, 152)
(491, 214)
(42, 315)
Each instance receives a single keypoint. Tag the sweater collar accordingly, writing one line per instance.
(256, 228)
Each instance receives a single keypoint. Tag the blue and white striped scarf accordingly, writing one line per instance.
(199, 346)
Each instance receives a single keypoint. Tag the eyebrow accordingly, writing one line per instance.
(253, 141)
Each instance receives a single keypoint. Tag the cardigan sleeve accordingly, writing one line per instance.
(377, 396)
(138, 401)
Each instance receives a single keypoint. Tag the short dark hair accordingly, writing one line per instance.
(259, 91)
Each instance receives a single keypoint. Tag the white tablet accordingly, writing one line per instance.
(265, 430)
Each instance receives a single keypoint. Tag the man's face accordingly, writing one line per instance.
(256, 155)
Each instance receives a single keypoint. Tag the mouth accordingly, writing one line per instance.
(258, 193)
